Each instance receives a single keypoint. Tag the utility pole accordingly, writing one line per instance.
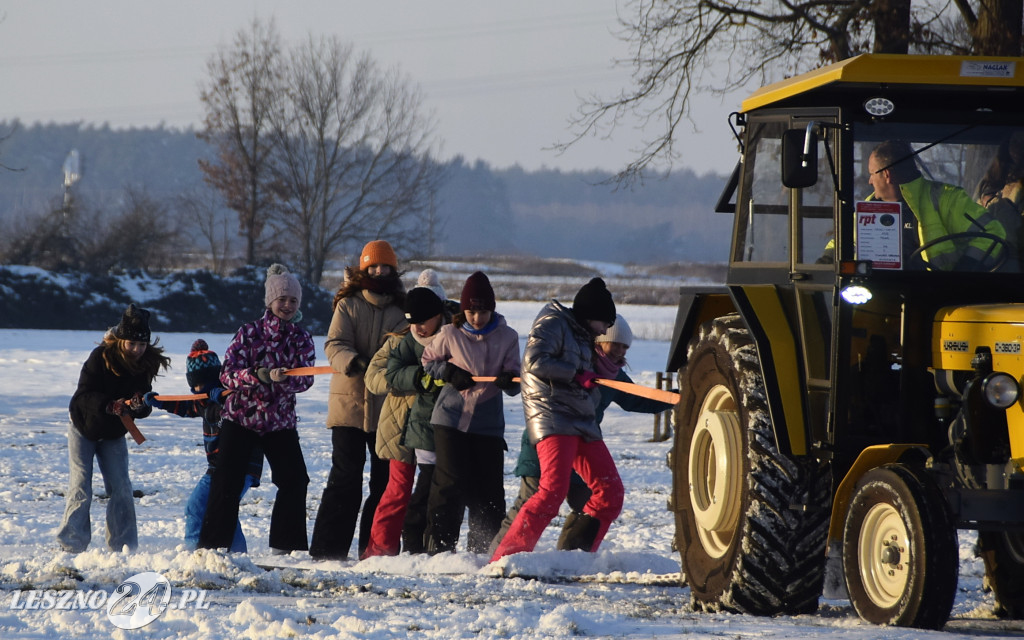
(72, 174)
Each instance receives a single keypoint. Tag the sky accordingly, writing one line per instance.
(501, 79)
(628, 589)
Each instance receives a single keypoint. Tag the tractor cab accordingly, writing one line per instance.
(868, 335)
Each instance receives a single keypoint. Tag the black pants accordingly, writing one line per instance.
(469, 473)
(415, 524)
(288, 473)
(339, 505)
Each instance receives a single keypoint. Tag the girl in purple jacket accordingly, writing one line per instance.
(261, 411)
(469, 420)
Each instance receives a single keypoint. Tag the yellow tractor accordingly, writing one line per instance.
(851, 396)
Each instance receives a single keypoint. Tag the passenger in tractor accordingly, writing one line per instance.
(1001, 191)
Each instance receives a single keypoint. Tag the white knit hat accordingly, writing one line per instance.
(618, 332)
(428, 278)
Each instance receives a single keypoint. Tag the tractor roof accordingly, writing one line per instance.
(889, 69)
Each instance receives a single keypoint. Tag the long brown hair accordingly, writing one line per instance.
(357, 279)
(147, 364)
(1006, 168)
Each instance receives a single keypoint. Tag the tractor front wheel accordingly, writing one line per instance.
(900, 550)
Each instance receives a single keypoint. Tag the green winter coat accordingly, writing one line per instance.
(405, 375)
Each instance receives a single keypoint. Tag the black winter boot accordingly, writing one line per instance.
(435, 546)
(578, 532)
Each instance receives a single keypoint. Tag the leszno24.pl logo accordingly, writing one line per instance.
(136, 602)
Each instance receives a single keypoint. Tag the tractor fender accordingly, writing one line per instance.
(870, 458)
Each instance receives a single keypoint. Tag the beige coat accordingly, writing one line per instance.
(391, 426)
(358, 328)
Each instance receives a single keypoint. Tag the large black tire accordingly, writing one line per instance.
(743, 545)
(1003, 554)
(900, 549)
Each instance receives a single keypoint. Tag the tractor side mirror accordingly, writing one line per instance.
(799, 158)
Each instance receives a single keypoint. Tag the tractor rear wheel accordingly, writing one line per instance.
(743, 545)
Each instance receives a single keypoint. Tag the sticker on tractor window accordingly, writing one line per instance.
(989, 69)
(1008, 347)
(959, 346)
(878, 234)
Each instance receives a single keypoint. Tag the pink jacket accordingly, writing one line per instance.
(478, 409)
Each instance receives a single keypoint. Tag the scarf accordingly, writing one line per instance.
(604, 367)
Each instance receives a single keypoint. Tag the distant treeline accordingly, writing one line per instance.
(479, 209)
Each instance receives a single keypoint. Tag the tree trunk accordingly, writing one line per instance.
(892, 25)
(998, 32)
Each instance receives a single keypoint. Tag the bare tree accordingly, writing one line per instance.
(200, 210)
(352, 154)
(244, 83)
(138, 235)
(681, 48)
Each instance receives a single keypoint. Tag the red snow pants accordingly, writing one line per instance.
(559, 456)
(386, 532)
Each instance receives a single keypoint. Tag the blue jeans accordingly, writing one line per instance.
(112, 456)
(195, 511)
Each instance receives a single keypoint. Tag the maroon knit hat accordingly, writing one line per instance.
(477, 294)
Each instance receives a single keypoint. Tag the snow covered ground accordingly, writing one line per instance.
(627, 590)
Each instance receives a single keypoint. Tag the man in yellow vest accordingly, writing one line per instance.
(937, 209)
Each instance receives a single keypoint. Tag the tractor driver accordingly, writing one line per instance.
(932, 210)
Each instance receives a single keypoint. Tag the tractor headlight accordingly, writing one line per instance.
(1001, 390)
(855, 293)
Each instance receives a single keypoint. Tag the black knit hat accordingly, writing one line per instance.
(477, 293)
(594, 302)
(202, 366)
(134, 325)
(422, 304)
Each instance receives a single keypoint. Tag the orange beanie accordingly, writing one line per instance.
(378, 252)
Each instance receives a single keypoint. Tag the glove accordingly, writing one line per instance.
(137, 407)
(278, 374)
(585, 379)
(358, 366)
(263, 374)
(459, 377)
(217, 395)
(151, 401)
(117, 407)
(504, 381)
(428, 383)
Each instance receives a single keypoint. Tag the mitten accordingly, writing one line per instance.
(263, 374)
(504, 380)
(150, 400)
(459, 377)
(358, 366)
(217, 395)
(117, 407)
(428, 383)
(585, 379)
(137, 407)
(278, 374)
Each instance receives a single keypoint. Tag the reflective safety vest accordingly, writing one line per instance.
(942, 210)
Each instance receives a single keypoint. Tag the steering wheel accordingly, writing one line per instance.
(919, 261)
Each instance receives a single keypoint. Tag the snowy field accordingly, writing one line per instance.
(629, 589)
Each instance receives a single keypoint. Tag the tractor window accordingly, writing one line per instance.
(763, 224)
(814, 206)
(956, 212)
